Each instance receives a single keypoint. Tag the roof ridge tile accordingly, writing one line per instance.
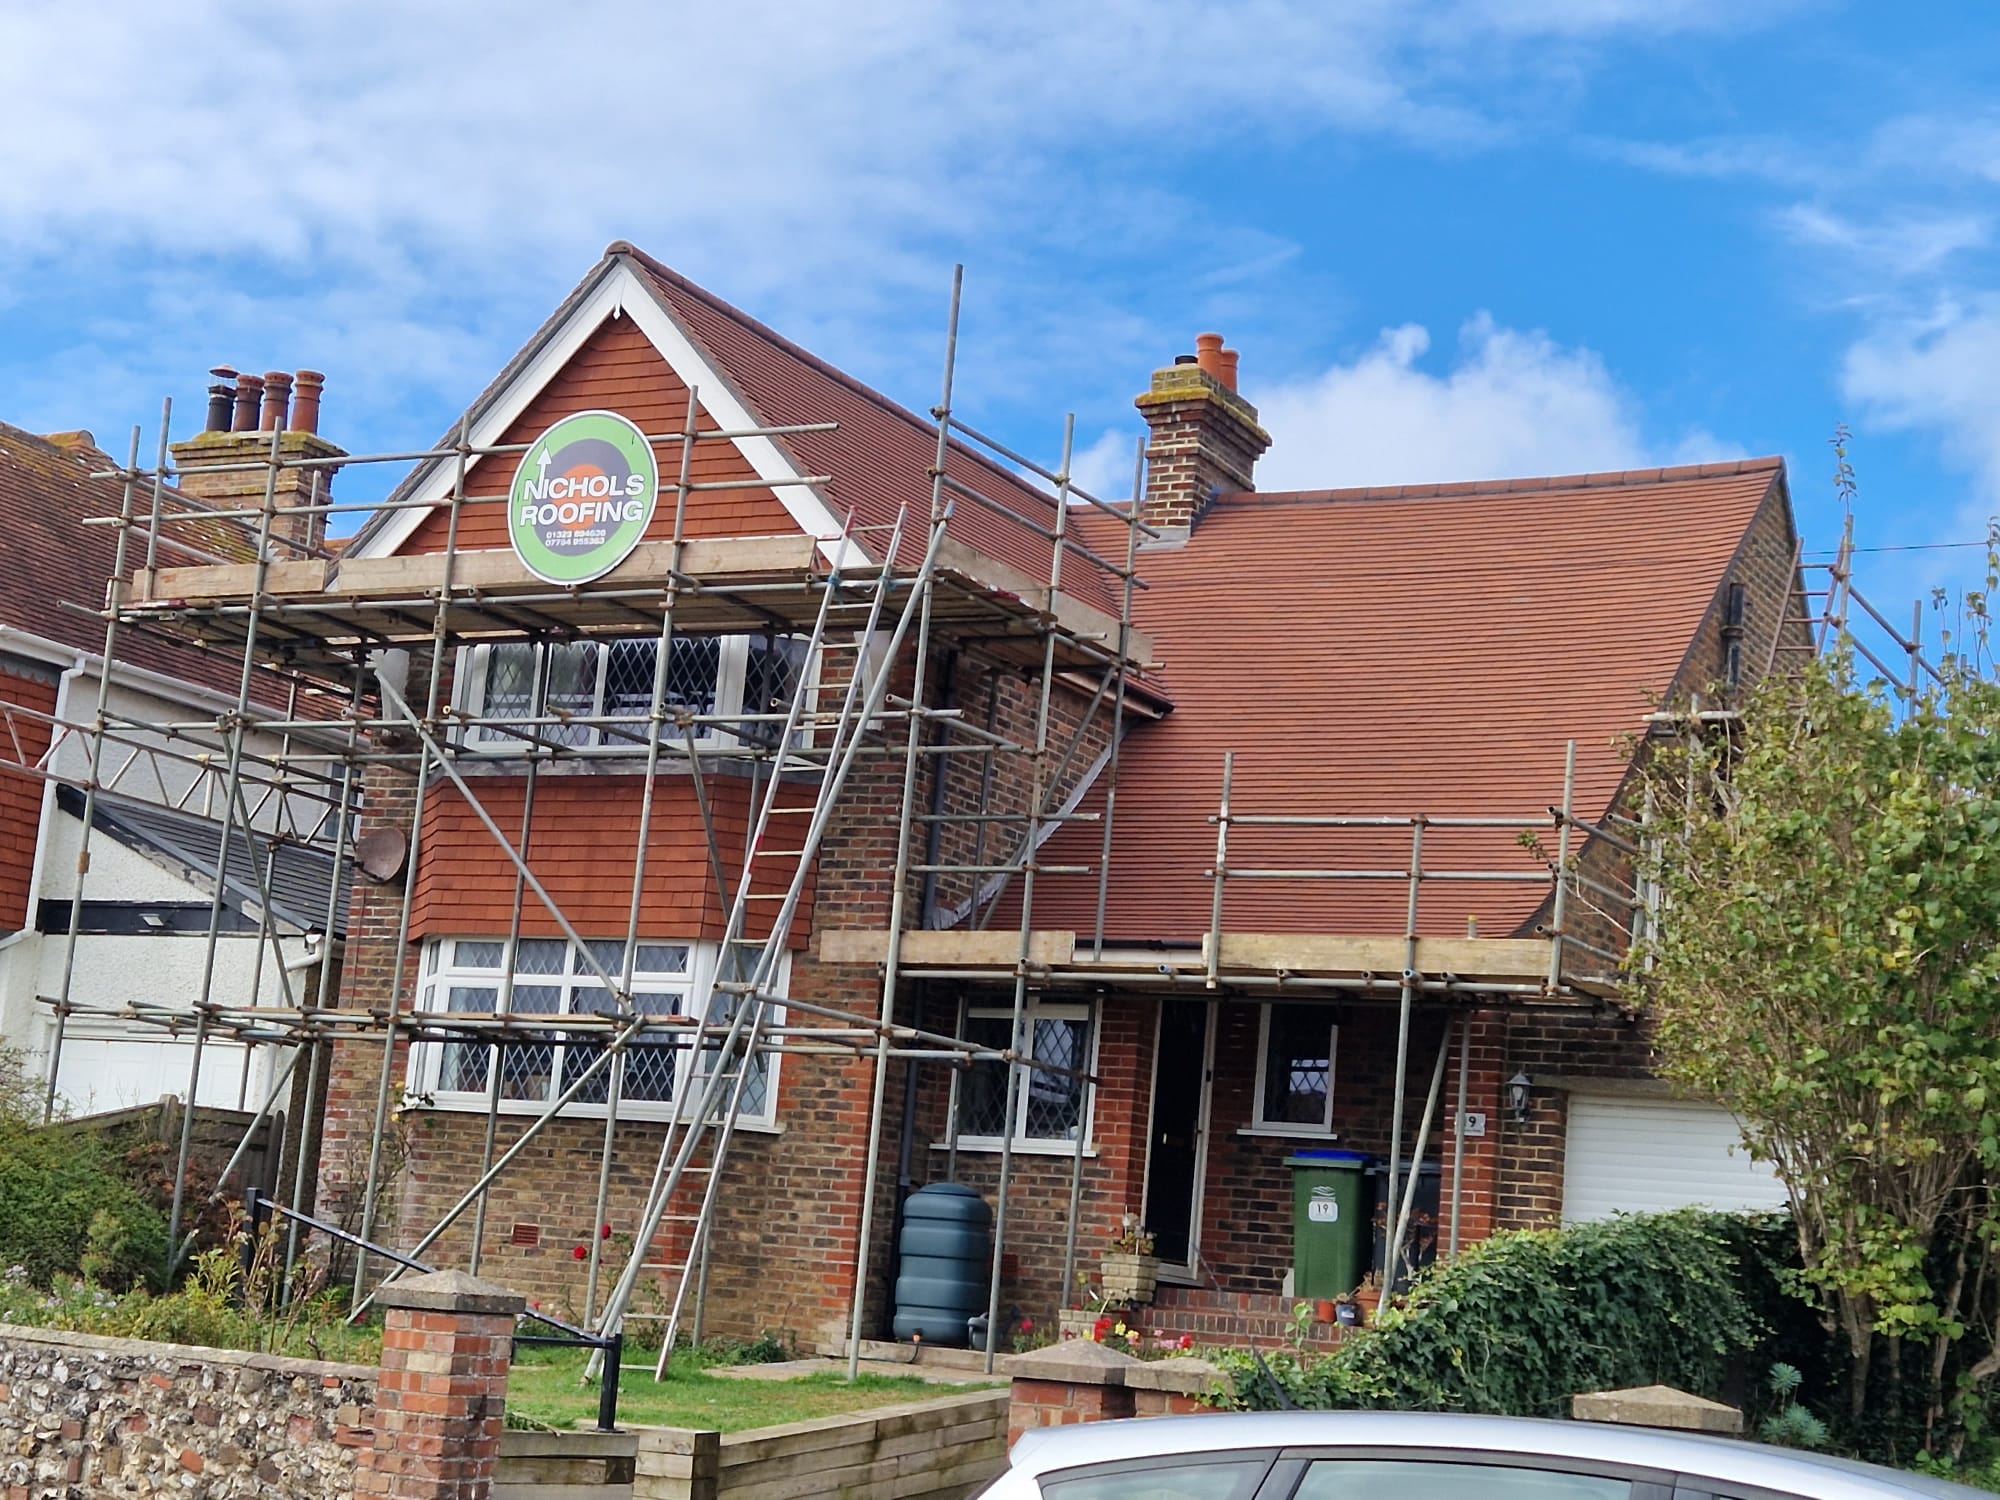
(1527, 484)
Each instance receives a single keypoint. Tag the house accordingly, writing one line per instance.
(1230, 827)
(119, 851)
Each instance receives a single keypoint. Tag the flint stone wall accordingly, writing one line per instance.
(88, 1416)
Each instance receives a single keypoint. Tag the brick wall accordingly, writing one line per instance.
(21, 794)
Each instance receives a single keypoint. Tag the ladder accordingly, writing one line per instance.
(695, 1149)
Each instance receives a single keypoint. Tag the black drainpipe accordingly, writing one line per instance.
(926, 917)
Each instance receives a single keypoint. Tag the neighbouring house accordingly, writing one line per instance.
(113, 930)
(1441, 687)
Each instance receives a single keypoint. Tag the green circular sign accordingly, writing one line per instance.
(583, 497)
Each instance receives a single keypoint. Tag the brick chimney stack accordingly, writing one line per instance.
(1205, 438)
(228, 466)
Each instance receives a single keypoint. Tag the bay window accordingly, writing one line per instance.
(552, 977)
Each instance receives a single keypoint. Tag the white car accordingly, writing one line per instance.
(1426, 1456)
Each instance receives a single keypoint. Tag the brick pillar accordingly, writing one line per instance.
(1076, 1381)
(447, 1339)
(1485, 1095)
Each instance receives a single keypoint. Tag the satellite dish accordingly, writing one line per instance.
(380, 853)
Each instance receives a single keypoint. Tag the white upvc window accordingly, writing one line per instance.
(551, 977)
(1296, 1047)
(1051, 1110)
(520, 681)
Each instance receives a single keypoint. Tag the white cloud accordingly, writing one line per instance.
(1939, 375)
(1757, 158)
(1900, 244)
(826, 157)
(1512, 403)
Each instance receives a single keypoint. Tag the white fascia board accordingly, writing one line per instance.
(622, 292)
(125, 674)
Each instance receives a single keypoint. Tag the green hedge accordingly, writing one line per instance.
(1522, 1322)
(65, 1204)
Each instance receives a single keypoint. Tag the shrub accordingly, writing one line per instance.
(64, 1208)
(1519, 1324)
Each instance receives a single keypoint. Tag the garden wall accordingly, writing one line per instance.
(82, 1414)
(931, 1450)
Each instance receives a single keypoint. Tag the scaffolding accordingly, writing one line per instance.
(342, 675)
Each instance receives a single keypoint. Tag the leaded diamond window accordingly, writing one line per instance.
(586, 693)
(552, 977)
(1048, 1106)
(1295, 1076)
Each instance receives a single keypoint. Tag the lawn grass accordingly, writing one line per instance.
(545, 1386)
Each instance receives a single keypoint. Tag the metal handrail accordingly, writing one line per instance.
(258, 1210)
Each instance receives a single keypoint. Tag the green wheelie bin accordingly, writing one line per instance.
(1329, 1222)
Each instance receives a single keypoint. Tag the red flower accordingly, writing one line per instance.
(1187, 1341)
(604, 1233)
(1103, 1327)
(1027, 1325)
(579, 1253)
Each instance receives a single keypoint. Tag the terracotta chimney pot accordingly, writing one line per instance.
(1208, 354)
(249, 397)
(277, 400)
(306, 390)
(1229, 358)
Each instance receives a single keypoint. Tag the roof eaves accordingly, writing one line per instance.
(523, 357)
(651, 274)
(765, 331)
(925, 427)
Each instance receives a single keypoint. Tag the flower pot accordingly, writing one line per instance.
(1129, 1278)
(1326, 1309)
(1347, 1314)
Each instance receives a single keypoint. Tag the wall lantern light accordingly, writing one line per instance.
(1517, 1097)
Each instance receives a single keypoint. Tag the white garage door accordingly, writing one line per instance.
(1636, 1154)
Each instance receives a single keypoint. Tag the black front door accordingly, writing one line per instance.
(1173, 1156)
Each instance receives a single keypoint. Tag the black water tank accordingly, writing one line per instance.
(946, 1253)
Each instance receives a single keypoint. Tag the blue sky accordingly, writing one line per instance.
(1453, 240)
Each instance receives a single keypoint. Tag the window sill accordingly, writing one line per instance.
(989, 1145)
(628, 1114)
(1288, 1133)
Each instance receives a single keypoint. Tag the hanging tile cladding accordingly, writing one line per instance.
(582, 847)
(1411, 651)
(618, 370)
(21, 797)
(881, 457)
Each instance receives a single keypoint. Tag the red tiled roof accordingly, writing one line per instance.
(1427, 649)
(881, 456)
(50, 560)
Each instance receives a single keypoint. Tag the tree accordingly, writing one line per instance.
(1825, 964)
